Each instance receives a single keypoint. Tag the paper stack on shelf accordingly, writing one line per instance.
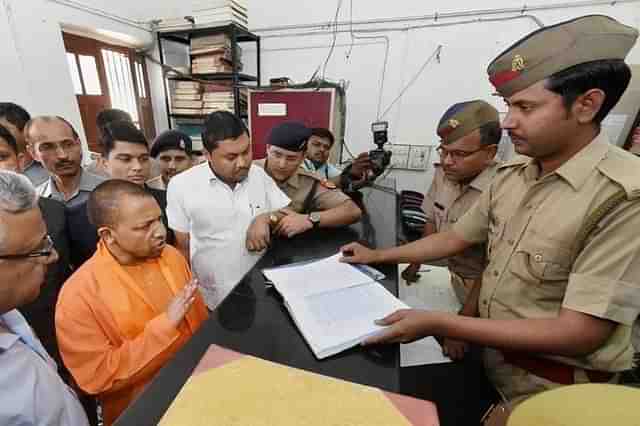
(186, 98)
(212, 54)
(219, 96)
(207, 14)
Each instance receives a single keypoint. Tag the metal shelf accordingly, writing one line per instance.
(216, 77)
(183, 36)
(237, 35)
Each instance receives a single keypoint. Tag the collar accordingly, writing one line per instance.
(7, 338)
(86, 184)
(214, 178)
(577, 170)
(293, 181)
(483, 180)
(312, 165)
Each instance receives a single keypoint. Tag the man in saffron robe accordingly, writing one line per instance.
(132, 306)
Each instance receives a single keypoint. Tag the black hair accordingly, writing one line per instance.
(612, 76)
(323, 133)
(220, 126)
(14, 114)
(490, 133)
(6, 135)
(110, 115)
(123, 131)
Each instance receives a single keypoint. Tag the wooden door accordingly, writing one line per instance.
(92, 92)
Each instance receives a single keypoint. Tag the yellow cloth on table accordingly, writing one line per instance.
(251, 391)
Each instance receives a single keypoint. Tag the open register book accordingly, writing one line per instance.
(333, 304)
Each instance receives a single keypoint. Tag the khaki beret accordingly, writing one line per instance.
(589, 404)
(463, 118)
(555, 48)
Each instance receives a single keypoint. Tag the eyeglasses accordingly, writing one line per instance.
(66, 145)
(457, 154)
(45, 251)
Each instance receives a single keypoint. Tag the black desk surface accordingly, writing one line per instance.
(254, 321)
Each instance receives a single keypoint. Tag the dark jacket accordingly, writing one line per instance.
(40, 313)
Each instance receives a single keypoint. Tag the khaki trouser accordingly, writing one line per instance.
(515, 384)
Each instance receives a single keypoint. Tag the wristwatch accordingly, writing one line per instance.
(314, 217)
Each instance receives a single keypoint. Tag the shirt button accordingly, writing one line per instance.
(496, 273)
(511, 242)
(537, 257)
(454, 220)
(484, 302)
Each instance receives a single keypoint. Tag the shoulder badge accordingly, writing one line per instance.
(518, 63)
(453, 123)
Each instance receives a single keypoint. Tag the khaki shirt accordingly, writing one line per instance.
(445, 203)
(530, 224)
(301, 183)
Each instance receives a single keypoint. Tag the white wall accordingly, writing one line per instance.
(460, 75)
(36, 76)
(34, 68)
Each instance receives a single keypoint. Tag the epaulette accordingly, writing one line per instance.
(623, 168)
(518, 160)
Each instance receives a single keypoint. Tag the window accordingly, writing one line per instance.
(142, 92)
(75, 73)
(119, 78)
(85, 78)
(90, 75)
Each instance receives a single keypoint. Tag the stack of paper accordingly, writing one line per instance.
(333, 304)
(186, 97)
(220, 96)
(212, 54)
(207, 14)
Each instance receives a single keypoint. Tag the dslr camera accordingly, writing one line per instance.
(379, 158)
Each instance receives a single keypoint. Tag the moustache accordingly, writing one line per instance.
(64, 163)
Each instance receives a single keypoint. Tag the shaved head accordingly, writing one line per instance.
(106, 201)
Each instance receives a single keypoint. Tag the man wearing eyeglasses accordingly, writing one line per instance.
(56, 145)
(31, 391)
(469, 133)
(315, 202)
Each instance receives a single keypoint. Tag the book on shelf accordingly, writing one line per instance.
(186, 97)
(186, 104)
(186, 91)
(186, 111)
(188, 85)
(211, 69)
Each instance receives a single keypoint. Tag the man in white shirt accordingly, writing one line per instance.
(220, 210)
(31, 391)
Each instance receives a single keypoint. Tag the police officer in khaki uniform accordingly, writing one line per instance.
(469, 134)
(315, 202)
(562, 287)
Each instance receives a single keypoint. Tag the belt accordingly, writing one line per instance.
(554, 371)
